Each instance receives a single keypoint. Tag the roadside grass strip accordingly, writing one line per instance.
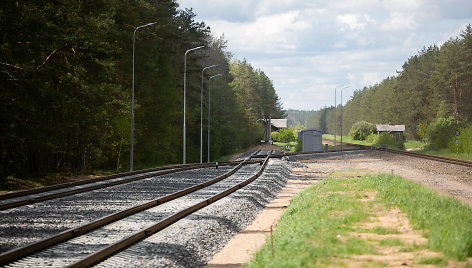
(373, 221)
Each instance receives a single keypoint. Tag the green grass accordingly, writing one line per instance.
(346, 139)
(283, 145)
(308, 233)
(378, 230)
(446, 153)
(447, 221)
(409, 144)
(309, 230)
(412, 144)
(433, 260)
(391, 242)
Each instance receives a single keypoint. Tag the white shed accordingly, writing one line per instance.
(311, 140)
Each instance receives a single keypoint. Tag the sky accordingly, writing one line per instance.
(308, 48)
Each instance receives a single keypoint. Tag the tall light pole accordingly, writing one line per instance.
(209, 95)
(201, 114)
(132, 97)
(185, 92)
(335, 116)
(342, 116)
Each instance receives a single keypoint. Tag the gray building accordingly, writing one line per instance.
(311, 140)
(395, 131)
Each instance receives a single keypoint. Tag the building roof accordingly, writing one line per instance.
(311, 130)
(391, 128)
(279, 123)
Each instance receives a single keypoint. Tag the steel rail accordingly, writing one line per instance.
(102, 178)
(417, 155)
(138, 236)
(22, 252)
(100, 186)
(431, 157)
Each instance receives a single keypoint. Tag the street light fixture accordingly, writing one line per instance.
(209, 95)
(132, 97)
(335, 116)
(201, 113)
(185, 92)
(342, 116)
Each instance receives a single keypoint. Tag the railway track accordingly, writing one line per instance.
(430, 157)
(84, 238)
(412, 154)
(32, 196)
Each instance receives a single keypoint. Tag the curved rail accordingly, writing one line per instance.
(22, 252)
(138, 236)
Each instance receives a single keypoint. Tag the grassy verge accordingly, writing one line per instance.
(283, 146)
(321, 225)
(446, 153)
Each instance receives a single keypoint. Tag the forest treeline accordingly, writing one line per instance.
(434, 84)
(66, 74)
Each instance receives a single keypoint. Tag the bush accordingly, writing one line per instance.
(299, 147)
(391, 142)
(440, 132)
(465, 140)
(371, 138)
(275, 136)
(361, 130)
(286, 135)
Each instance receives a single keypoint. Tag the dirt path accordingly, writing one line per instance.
(445, 178)
(244, 245)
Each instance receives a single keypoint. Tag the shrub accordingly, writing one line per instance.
(299, 147)
(391, 142)
(371, 138)
(421, 130)
(286, 135)
(275, 136)
(440, 132)
(361, 129)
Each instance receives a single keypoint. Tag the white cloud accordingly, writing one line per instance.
(271, 34)
(399, 22)
(309, 47)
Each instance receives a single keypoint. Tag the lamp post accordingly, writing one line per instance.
(132, 97)
(335, 116)
(185, 92)
(342, 116)
(201, 113)
(209, 95)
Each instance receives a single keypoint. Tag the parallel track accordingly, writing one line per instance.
(21, 252)
(127, 177)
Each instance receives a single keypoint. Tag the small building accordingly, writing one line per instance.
(277, 124)
(311, 140)
(394, 130)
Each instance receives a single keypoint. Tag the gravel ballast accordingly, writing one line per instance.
(192, 241)
(27, 224)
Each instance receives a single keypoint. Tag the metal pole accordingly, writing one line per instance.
(209, 96)
(342, 116)
(201, 114)
(132, 97)
(185, 92)
(335, 116)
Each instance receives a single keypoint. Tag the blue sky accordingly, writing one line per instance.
(308, 48)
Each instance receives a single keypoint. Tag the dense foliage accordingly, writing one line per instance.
(360, 130)
(436, 83)
(65, 72)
